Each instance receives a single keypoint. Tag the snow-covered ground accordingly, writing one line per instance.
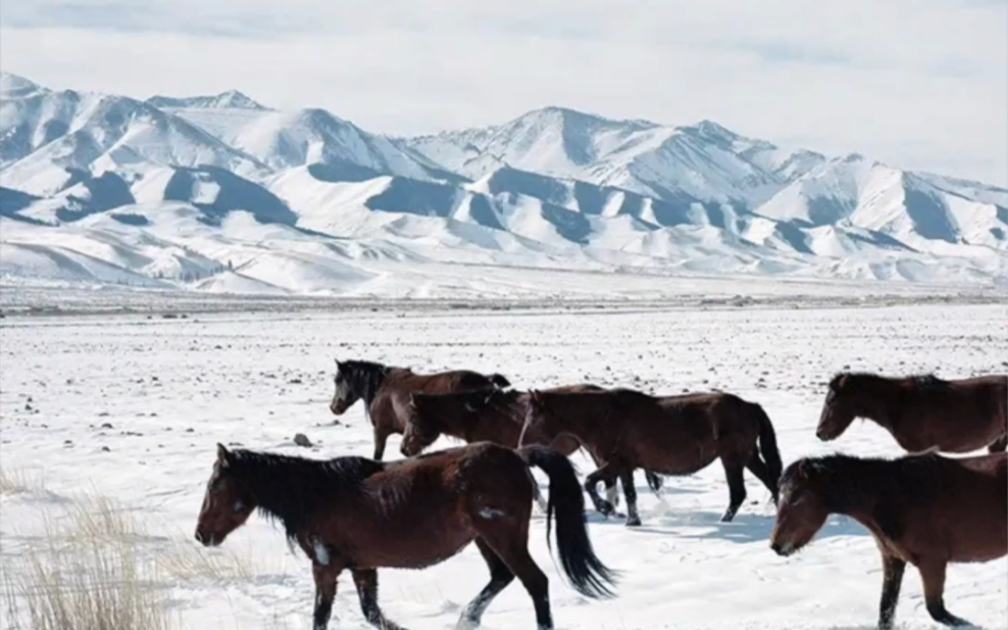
(169, 389)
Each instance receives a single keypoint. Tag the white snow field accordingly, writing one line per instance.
(167, 390)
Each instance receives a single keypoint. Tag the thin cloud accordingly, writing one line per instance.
(917, 83)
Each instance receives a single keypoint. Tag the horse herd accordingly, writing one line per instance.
(358, 514)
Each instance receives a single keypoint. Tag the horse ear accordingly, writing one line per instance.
(223, 455)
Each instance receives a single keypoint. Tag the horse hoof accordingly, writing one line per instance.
(633, 522)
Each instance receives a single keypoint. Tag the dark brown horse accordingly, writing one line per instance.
(673, 435)
(927, 510)
(385, 391)
(360, 514)
(493, 416)
(921, 412)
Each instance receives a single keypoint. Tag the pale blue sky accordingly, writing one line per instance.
(917, 83)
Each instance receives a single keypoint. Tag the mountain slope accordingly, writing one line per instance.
(48, 138)
(219, 193)
(284, 140)
(704, 162)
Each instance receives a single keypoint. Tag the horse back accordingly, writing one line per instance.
(961, 513)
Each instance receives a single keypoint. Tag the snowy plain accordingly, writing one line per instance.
(169, 389)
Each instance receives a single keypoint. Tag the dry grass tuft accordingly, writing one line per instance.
(84, 573)
(20, 481)
(189, 562)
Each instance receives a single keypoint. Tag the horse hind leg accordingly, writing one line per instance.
(507, 537)
(758, 467)
(500, 577)
(734, 473)
(627, 480)
(933, 576)
(366, 581)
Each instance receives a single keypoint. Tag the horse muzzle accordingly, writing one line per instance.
(207, 540)
(782, 550)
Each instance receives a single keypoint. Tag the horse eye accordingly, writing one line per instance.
(239, 506)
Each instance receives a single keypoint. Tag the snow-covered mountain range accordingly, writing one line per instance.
(220, 193)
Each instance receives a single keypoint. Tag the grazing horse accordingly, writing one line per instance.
(494, 416)
(673, 435)
(927, 510)
(359, 514)
(385, 391)
(921, 412)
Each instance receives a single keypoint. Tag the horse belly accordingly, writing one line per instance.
(676, 454)
(427, 544)
(981, 540)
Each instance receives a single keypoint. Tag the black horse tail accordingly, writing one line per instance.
(768, 447)
(499, 381)
(588, 575)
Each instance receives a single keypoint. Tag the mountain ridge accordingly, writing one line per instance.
(553, 188)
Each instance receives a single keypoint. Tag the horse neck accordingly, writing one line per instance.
(853, 487)
(573, 410)
(875, 400)
(369, 380)
(453, 423)
(291, 490)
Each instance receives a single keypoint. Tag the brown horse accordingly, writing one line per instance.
(927, 510)
(493, 416)
(921, 412)
(360, 514)
(385, 391)
(673, 435)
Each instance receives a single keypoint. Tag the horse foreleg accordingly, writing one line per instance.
(325, 591)
(366, 581)
(892, 569)
(381, 435)
(500, 577)
(537, 495)
(626, 478)
(933, 576)
(608, 473)
(612, 492)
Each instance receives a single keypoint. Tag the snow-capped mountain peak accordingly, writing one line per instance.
(231, 99)
(100, 186)
(16, 86)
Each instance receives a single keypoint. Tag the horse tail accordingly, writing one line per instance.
(499, 381)
(587, 573)
(768, 444)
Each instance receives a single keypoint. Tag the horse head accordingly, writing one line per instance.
(839, 408)
(227, 503)
(801, 509)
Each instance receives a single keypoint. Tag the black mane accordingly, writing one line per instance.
(291, 489)
(923, 381)
(365, 377)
